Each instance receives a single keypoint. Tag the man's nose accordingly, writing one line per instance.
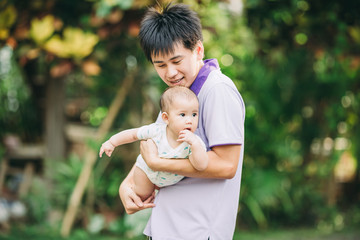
(171, 71)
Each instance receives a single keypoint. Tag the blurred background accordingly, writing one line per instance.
(72, 74)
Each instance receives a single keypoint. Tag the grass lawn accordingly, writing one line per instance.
(39, 233)
(298, 234)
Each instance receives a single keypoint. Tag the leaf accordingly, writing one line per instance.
(41, 30)
(56, 46)
(256, 212)
(124, 4)
(91, 68)
(7, 19)
(76, 43)
(355, 34)
(104, 7)
(80, 44)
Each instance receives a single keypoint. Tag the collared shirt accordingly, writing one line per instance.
(198, 208)
(209, 65)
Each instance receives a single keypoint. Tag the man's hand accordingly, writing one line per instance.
(106, 147)
(149, 152)
(131, 202)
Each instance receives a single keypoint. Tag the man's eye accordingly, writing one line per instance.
(177, 62)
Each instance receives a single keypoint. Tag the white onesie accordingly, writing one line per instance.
(157, 132)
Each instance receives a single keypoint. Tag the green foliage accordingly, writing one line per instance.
(63, 177)
(16, 105)
(104, 7)
(298, 82)
(39, 232)
(296, 86)
(38, 201)
(296, 64)
(65, 174)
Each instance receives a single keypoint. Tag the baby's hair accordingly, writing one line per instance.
(172, 93)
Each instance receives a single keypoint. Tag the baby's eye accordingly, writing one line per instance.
(194, 114)
(182, 114)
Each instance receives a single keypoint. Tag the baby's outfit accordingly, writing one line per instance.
(157, 132)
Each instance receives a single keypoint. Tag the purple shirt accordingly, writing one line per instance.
(198, 208)
(209, 65)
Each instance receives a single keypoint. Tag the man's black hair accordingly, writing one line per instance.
(162, 29)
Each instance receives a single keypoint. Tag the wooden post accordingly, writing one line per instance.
(54, 119)
(26, 182)
(91, 156)
(3, 169)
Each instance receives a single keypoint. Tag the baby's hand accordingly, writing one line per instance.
(106, 147)
(187, 136)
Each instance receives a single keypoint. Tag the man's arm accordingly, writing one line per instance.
(223, 162)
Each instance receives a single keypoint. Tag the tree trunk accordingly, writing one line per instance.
(55, 119)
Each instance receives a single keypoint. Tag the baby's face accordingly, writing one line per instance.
(183, 115)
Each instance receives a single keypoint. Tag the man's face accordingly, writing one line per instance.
(181, 67)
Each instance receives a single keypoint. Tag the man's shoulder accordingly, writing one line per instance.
(218, 79)
(217, 82)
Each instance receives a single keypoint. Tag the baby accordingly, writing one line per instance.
(174, 138)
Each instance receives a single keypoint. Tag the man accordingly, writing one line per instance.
(204, 205)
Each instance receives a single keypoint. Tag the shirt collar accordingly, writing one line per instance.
(209, 65)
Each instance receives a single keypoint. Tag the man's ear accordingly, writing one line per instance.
(199, 48)
(165, 117)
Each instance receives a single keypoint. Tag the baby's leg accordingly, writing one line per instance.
(143, 187)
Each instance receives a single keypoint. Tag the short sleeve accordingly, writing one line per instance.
(223, 115)
(148, 131)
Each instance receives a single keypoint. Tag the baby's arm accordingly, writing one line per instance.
(123, 137)
(198, 157)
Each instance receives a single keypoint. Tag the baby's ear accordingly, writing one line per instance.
(165, 117)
